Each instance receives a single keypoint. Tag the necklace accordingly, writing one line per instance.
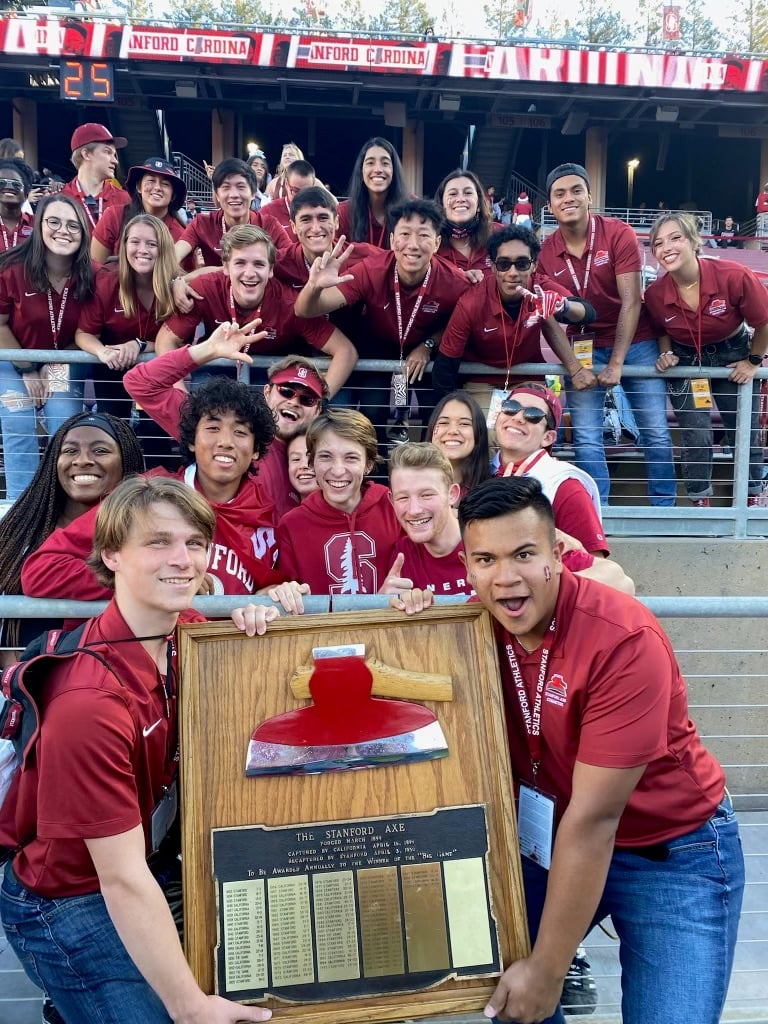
(692, 285)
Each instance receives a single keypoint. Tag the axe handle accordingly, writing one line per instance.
(387, 682)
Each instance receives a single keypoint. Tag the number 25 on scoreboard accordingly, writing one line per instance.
(86, 81)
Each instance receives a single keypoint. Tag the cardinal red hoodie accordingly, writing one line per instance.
(337, 552)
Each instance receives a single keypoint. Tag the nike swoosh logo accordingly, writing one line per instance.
(148, 729)
(488, 330)
(119, 310)
(668, 318)
(385, 306)
(557, 273)
(28, 295)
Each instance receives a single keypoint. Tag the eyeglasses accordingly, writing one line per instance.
(11, 185)
(304, 397)
(72, 227)
(531, 414)
(503, 264)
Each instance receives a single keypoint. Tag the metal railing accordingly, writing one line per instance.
(641, 220)
(198, 183)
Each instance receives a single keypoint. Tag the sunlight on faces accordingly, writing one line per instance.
(460, 200)
(248, 271)
(423, 502)
(340, 467)
(141, 248)
(300, 473)
(507, 560)
(290, 415)
(454, 433)
(673, 249)
(224, 450)
(89, 465)
(101, 161)
(377, 169)
(517, 437)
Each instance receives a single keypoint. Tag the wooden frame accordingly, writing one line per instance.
(229, 683)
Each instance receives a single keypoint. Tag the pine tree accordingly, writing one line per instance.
(350, 583)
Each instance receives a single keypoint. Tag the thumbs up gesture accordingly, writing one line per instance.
(395, 583)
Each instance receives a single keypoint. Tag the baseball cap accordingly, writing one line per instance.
(302, 375)
(540, 391)
(156, 165)
(94, 132)
(562, 171)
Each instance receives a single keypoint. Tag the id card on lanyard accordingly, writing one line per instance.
(536, 809)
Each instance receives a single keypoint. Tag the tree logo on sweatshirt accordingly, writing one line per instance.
(350, 563)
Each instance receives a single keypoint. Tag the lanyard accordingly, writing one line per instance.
(403, 334)
(15, 235)
(383, 227)
(56, 323)
(685, 309)
(569, 264)
(508, 356)
(531, 716)
(87, 209)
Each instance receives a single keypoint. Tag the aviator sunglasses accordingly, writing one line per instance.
(531, 414)
(522, 263)
(303, 397)
(11, 185)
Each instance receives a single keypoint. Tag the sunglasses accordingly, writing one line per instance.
(11, 185)
(531, 414)
(72, 227)
(304, 397)
(503, 264)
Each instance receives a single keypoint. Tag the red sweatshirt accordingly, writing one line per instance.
(339, 553)
(241, 559)
(151, 386)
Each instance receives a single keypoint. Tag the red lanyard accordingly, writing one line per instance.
(578, 288)
(85, 206)
(531, 716)
(371, 221)
(403, 334)
(684, 309)
(143, 327)
(507, 354)
(15, 235)
(56, 323)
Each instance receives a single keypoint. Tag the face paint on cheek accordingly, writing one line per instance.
(547, 573)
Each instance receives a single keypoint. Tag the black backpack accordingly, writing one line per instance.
(20, 692)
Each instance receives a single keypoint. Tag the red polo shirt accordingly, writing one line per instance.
(284, 329)
(279, 210)
(29, 317)
(615, 251)
(22, 231)
(613, 697)
(378, 234)
(444, 575)
(104, 316)
(478, 259)
(374, 285)
(729, 294)
(109, 197)
(481, 330)
(109, 228)
(207, 230)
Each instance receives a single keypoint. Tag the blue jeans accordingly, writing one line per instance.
(18, 419)
(70, 949)
(676, 920)
(648, 399)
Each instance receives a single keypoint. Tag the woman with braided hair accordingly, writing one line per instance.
(86, 458)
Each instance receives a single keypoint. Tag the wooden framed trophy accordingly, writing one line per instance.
(349, 843)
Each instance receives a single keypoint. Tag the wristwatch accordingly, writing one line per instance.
(430, 344)
(755, 360)
(142, 345)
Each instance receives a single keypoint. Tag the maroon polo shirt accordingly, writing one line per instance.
(206, 231)
(22, 231)
(284, 329)
(481, 330)
(29, 317)
(615, 251)
(108, 230)
(110, 196)
(729, 294)
(104, 316)
(374, 285)
(280, 210)
(378, 234)
(478, 259)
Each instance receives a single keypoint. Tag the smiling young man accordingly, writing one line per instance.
(631, 815)
(224, 429)
(81, 901)
(501, 320)
(599, 258)
(244, 290)
(408, 293)
(94, 154)
(234, 187)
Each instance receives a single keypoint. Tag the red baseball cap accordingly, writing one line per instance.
(540, 391)
(94, 132)
(300, 375)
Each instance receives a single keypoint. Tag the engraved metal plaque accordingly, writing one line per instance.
(339, 909)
